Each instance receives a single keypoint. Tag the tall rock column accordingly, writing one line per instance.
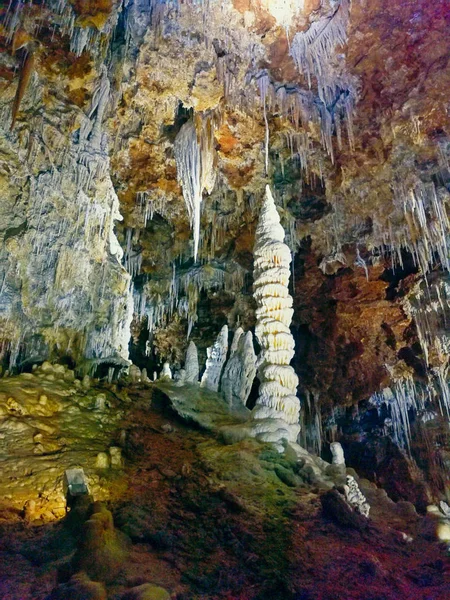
(276, 413)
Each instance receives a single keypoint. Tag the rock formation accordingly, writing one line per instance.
(166, 372)
(240, 369)
(136, 141)
(217, 355)
(191, 364)
(337, 454)
(101, 550)
(135, 374)
(355, 497)
(276, 413)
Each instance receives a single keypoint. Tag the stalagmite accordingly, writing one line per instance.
(276, 414)
(235, 343)
(166, 372)
(191, 364)
(217, 355)
(180, 377)
(337, 454)
(240, 370)
(135, 374)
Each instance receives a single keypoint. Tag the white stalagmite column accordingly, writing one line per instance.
(276, 414)
(240, 370)
(191, 364)
(217, 356)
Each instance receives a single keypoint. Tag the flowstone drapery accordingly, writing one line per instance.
(276, 414)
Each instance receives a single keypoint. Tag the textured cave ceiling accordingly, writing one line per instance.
(341, 106)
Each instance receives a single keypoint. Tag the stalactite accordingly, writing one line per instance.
(195, 169)
(132, 259)
(263, 85)
(183, 291)
(313, 50)
(401, 398)
(422, 225)
(149, 204)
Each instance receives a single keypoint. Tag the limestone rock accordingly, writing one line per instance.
(276, 414)
(103, 461)
(166, 372)
(101, 551)
(217, 355)
(191, 363)
(100, 402)
(335, 507)
(116, 457)
(135, 374)
(240, 369)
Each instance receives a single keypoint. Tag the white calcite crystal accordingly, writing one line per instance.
(217, 355)
(240, 369)
(191, 364)
(355, 497)
(276, 414)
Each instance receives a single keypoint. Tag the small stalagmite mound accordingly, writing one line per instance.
(102, 550)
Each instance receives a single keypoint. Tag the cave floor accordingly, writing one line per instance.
(210, 521)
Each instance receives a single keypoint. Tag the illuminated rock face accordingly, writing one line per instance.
(277, 408)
